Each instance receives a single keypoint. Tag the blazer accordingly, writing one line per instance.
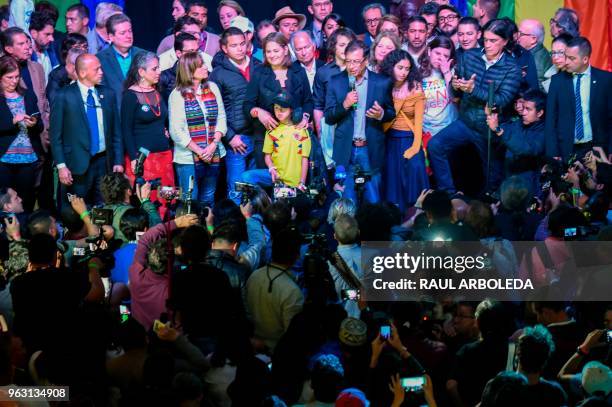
(113, 77)
(9, 130)
(379, 89)
(38, 77)
(263, 87)
(561, 114)
(70, 134)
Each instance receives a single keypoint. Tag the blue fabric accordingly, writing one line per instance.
(449, 139)
(205, 184)
(123, 260)
(92, 120)
(461, 6)
(92, 4)
(403, 179)
(236, 164)
(360, 157)
(578, 100)
(258, 177)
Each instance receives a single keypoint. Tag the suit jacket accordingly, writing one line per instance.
(9, 130)
(70, 133)
(113, 77)
(379, 89)
(37, 74)
(561, 114)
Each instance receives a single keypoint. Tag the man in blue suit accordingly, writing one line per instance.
(85, 132)
(117, 58)
(358, 102)
(579, 106)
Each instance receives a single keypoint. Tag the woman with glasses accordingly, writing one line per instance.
(558, 58)
(565, 21)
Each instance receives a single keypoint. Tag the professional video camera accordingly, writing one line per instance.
(360, 178)
(318, 281)
(96, 245)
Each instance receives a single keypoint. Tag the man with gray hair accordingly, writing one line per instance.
(531, 37)
(98, 37)
(371, 14)
(304, 47)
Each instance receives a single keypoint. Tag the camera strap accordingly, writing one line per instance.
(271, 280)
(345, 272)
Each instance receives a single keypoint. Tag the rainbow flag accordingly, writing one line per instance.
(595, 21)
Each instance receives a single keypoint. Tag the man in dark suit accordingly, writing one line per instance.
(372, 14)
(117, 58)
(579, 106)
(84, 157)
(358, 102)
(304, 47)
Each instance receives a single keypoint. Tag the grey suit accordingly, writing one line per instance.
(113, 77)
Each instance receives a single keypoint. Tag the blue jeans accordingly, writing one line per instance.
(257, 177)
(456, 135)
(205, 184)
(237, 164)
(359, 156)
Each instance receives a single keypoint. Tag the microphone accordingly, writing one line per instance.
(143, 153)
(490, 98)
(190, 193)
(353, 85)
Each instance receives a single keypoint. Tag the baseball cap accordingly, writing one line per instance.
(243, 24)
(597, 377)
(283, 99)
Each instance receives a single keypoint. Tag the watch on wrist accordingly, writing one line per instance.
(498, 129)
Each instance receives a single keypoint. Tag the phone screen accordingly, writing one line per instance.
(124, 312)
(412, 384)
(385, 332)
(609, 336)
(350, 295)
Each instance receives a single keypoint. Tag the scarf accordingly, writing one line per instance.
(200, 133)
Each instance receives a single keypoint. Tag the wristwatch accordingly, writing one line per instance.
(498, 130)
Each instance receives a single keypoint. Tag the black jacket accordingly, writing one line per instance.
(236, 272)
(9, 130)
(167, 81)
(264, 87)
(58, 78)
(233, 86)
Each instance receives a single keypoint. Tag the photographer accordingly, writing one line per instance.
(438, 208)
(117, 194)
(148, 274)
(47, 297)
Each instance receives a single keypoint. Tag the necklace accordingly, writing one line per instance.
(155, 108)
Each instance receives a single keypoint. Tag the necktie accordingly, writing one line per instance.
(92, 119)
(579, 123)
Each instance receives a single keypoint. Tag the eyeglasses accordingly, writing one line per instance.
(372, 21)
(557, 53)
(354, 61)
(447, 18)
(522, 34)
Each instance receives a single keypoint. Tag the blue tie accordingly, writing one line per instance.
(92, 119)
(579, 123)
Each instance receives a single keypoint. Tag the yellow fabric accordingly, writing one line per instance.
(540, 10)
(409, 114)
(288, 146)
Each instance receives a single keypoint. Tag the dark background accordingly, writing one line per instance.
(152, 18)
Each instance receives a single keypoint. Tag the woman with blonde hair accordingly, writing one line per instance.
(384, 43)
(227, 11)
(197, 124)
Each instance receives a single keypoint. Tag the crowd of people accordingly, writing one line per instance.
(183, 227)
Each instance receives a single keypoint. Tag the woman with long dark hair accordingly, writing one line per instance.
(330, 24)
(277, 74)
(197, 124)
(404, 172)
(20, 128)
(144, 117)
(436, 70)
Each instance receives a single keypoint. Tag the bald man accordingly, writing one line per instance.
(531, 37)
(85, 132)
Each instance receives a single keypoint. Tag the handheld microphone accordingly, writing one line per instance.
(491, 98)
(143, 153)
(190, 193)
(353, 85)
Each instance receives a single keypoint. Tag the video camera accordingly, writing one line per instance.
(155, 182)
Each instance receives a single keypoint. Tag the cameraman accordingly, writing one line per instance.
(117, 194)
(47, 297)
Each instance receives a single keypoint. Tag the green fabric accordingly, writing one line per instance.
(62, 6)
(506, 8)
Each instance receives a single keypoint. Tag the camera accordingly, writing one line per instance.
(155, 182)
(101, 216)
(282, 191)
(247, 190)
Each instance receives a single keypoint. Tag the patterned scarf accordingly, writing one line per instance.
(201, 134)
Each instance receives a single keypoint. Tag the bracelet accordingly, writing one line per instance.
(84, 215)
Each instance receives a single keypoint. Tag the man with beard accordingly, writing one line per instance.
(417, 37)
(448, 21)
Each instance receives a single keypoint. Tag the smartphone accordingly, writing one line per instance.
(570, 233)
(413, 384)
(70, 196)
(385, 332)
(350, 295)
(270, 366)
(78, 251)
(36, 114)
(609, 336)
(124, 312)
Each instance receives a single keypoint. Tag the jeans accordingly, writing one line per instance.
(236, 164)
(257, 177)
(205, 181)
(453, 136)
(359, 157)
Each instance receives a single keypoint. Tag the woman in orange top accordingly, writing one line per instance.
(404, 174)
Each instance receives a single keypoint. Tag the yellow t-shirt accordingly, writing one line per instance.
(288, 146)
